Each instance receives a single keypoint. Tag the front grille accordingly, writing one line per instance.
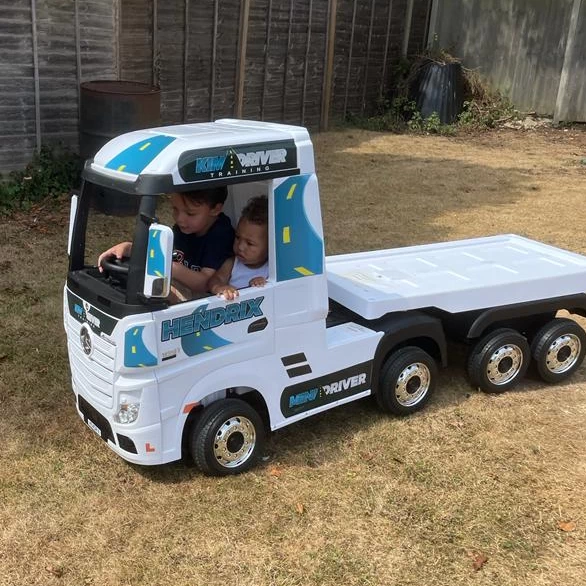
(94, 373)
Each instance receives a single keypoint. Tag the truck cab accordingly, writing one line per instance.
(144, 370)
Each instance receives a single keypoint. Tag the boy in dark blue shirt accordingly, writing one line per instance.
(203, 238)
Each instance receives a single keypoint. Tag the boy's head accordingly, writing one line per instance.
(196, 211)
(251, 244)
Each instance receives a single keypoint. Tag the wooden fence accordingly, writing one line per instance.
(297, 61)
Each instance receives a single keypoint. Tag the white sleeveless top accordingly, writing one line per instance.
(241, 274)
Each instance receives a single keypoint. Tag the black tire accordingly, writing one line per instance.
(407, 380)
(499, 361)
(227, 439)
(558, 349)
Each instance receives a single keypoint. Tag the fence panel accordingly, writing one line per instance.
(208, 62)
(519, 47)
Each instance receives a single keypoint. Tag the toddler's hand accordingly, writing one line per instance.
(257, 282)
(227, 292)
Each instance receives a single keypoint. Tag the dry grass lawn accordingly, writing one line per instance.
(476, 489)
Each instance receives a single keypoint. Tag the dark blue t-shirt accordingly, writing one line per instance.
(207, 251)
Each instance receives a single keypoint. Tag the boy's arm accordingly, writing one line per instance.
(197, 281)
(118, 250)
(221, 277)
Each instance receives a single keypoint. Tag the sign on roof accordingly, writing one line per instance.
(261, 160)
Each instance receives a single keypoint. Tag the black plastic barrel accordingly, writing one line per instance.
(440, 88)
(109, 108)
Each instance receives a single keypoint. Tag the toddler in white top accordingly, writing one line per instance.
(249, 267)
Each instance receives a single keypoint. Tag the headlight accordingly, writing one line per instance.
(128, 409)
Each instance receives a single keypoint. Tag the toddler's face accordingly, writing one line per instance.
(251, 244)
(193, 217)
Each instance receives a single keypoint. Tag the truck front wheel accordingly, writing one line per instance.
(228, 438)
(407, 380)
(558, 349)
(499, 361)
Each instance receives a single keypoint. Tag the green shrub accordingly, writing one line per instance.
(52, 172)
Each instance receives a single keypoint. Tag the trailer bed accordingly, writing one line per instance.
(455, 276)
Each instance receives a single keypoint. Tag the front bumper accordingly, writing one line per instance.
(139, 445)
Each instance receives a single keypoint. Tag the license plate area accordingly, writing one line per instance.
(95, 420)
(93, 427)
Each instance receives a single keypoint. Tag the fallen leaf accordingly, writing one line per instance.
(300, 508)
(55, 570)
(275, 471)
(478, 560)
(567, 526)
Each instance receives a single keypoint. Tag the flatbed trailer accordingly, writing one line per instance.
(454, 277)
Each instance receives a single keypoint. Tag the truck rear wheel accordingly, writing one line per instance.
(228, 438)
(407, 380)
(499, 361)
(558, 349)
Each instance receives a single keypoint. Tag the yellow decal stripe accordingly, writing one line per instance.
(145, 146)
(305, 272)
(286, 235)
(291, 191)
(122, 167)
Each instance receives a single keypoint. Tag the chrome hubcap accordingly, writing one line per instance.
(234, 442)
(563, 353)
(504, 364)
(412, 384)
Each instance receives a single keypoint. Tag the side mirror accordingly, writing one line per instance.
(72, 212)
(157, 272)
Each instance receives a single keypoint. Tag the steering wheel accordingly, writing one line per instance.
(116, 266)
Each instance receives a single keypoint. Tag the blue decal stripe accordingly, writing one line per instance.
(137, 156)
(155, 257)
(299, 249)
(136, 354)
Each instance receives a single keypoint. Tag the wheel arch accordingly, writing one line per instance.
(411, 329)
(499, 316)
(248, 390)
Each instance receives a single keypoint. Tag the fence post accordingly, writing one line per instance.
(561, 104)
(156, 65)
(306, 64)
(350, 57)
(242, 42)
(185, 57)
(383, 78)
(407, 34)
(367, 58)
(329, 69)
(36, 75)
(214, 54)
(434, 18)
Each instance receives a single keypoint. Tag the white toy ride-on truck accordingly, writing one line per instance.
(209, 377)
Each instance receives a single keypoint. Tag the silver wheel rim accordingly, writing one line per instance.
(563, 353)
(234, 442)
(412, 384)
(504, 364)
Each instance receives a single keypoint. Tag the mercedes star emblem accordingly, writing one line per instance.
(86, 340)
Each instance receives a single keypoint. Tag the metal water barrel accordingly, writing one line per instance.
(109, 108)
